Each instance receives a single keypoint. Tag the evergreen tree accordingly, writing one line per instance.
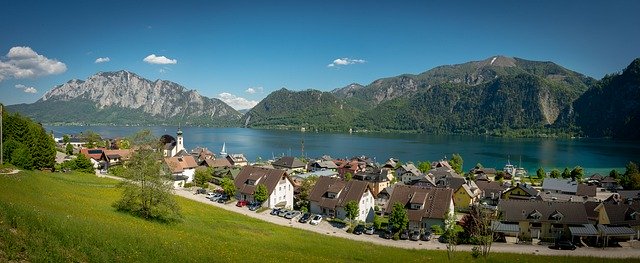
(261, 194)
(566, 173)
(540, 173)
(555, 173)
(83, 164)
(577, 173)
(69, 149)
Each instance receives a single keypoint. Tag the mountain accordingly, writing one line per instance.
(494, 95)
(611, 108)
(312, 109)
(124, 98)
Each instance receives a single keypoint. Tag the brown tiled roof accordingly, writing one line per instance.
(261, 175)
(179, 164)
(608, 179)
(590, 208)
(437, 201)
(586, 190)
(519, 210)
(529, 190)
(621, 214)
(348, 191)
(222, 162)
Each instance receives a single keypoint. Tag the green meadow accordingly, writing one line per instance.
(67, 217)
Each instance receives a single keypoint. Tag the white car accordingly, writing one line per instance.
(316, 220)
(210, 195)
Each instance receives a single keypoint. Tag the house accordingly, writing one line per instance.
(610, 183)
(482, 173)
(237, 159)
(216, 163)
(279, 185)
(377, 179)
(202, 154)
(351, 167)
(520, 191)
(408, 172)
(172, 145)
(322, 165)
(425, 206)
(118, 156)
(560, 186)
(543, 220)
(97, 157)
(290, 164)
(182, 169)
(330, 196)
(619, 214)
(466, 195)
(490, 192)
(441, 164)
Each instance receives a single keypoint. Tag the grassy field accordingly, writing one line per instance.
(53, 217)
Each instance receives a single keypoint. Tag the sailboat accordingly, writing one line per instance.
(223, 152)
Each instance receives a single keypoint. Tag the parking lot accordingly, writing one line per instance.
(326, 228)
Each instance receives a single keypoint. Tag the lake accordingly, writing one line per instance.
(594, 155)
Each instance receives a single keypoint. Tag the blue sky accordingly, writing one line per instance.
(242, 50)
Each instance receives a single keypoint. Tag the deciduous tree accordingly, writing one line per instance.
(540, 173)
(456, 163)
(398, 219)
(555, 173)
(228, 186)
(261, 193)
(202, 177)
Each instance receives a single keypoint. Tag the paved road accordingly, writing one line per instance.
(326, 229)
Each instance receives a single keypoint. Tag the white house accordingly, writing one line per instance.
(279, 185)
(330, 196)
(183, 169)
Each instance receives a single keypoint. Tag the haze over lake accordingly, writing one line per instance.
(595, 155)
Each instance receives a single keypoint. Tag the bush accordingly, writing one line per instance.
(437, 229)
(475, 252)
(396, 236)
(187, 185)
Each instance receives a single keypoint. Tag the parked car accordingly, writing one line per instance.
(210, 195)
(562, 245)
(201, 191)
(215, 197)
(275, 211)
(404, 235)
(305, 218)
(426, 236)
(242, 203)
(253, 206)
(370, 230)
(387, 234)
(358, 230)
(316, 220)
(292, 214)
(415, 235)
(223, 199)
(283, 212)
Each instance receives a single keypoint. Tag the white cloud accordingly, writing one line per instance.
(153, 59)
(254, 90)
(102, 60)
(236, 102)
(26, 89)
(345, 61)
(23, 62)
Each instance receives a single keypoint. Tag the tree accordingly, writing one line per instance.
(630, 180)
(202, 177)
(92, 139)
(577, 173)
(348, 176)
(456, 163)
(398, 219)
(65, 139)
(69, 149)
(22, 158)
(261, 194)
(351, 208)
(482, 230)
(540, 173)
(451, 232)
(82, 164)
(228, 186)
(377, 222)
(614, 174)
(566, 173)
(147, 191)
(305, 190)
(499, 175)
(424, 166)
(555, 173)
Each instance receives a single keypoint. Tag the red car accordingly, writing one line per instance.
(242, 203)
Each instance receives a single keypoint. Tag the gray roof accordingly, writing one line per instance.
(523, 210)
(288, 162)
(584, 230)
(615, 230)
(328, 173)
(558, 184)
(505, 227)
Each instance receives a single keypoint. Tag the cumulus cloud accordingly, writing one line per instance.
(254, 90)
(345, 61)
(102, 60)
(26, 89)
(153, 59)
(23, 62)
(236, 102)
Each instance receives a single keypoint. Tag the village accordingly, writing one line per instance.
(359, 195)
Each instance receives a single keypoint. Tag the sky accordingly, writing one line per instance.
(240, 51)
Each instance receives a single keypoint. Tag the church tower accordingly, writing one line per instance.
(180, 141)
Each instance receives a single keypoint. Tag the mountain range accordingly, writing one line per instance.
(499, 96)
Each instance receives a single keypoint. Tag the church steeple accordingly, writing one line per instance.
(180, 141)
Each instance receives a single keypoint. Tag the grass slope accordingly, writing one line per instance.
(53, 217)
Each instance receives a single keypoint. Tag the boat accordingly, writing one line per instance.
(223, 152)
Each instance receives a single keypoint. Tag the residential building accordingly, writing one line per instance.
(330, 196)
(520, 191)
(377, 179)
(408, 172)
(182, 169)
(279, 185)
(543, 220)
(425, 206)
(237, 159)
(466, 195)
(290, 164)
